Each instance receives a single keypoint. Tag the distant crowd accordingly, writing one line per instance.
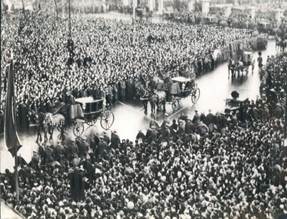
(262, 22)
(105, 56)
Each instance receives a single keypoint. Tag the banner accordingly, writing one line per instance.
(10, 133)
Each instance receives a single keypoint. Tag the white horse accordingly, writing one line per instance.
(55, 120)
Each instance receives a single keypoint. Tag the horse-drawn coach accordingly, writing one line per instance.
(171, 91)
(80, 114)
(242, 66)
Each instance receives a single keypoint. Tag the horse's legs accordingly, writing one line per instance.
(228, 71)
(145, 106)
(39, 136)
(158, 105)
(154, 110)
(51, 131)
(152, 106)
(45, 135)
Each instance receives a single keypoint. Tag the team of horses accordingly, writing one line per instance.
(281, 44)
(165, 92)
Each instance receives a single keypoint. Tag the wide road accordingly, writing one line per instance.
(215, 87)
(7, 213)
(129, 119)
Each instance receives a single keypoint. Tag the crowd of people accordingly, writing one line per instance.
(241, 19)
(235, 167)
(264, 22)
(218, 165)
(230, 165)
(106, 56)
(274, 79)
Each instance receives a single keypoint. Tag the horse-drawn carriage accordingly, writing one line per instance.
(92, 111)
(242, 65)
(187, 88)
(86, 110)
(172, 91)
(281, 43)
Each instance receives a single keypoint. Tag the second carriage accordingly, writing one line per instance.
(174, 90)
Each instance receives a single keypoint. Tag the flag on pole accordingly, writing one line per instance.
(10, 133)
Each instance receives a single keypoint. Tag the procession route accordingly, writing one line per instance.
(168, 117)
(177, 112)
(7, 212)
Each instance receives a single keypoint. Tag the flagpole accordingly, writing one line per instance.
(10, 136)
(16, 177)
(70, 25)
(56, 6)
(16, 150)
(23, 7)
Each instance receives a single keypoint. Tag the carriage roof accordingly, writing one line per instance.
(85, 100)
(246, 52)
(181, 79)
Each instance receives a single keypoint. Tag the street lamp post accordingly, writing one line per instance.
(70, 25)
(70, 43)
(56, 8)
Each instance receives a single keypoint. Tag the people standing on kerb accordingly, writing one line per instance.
(144, 97)
(39, 119)
(260, 60)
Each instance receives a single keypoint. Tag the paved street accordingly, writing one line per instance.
(7, 213)
(129, 119)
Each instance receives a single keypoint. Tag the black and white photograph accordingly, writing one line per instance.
(143, 109)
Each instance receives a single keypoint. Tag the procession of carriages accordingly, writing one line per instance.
(79, 114)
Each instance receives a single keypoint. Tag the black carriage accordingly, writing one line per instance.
(88, 110)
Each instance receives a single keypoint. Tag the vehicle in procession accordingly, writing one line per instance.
(79, 114)
(171, 91)
(92, 111)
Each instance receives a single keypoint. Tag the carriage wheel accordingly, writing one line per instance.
(195, 95)
(107, 119)
(174, 105)
(60, 126)
(152, 115)
(78, 129)
(61, 137)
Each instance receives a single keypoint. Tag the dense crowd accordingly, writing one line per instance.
(230, 165)
(239, 18)
(274, 79)
(106, 56)
(237, 169)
